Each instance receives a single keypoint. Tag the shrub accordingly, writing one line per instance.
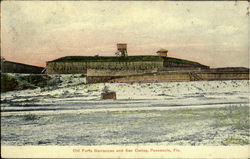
(235, 140)
(8, 83)
(30, 117)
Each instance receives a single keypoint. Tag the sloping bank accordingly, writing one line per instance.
(11, 81)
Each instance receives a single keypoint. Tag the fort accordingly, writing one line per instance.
(155, 68)
(118, 66)
(124, 68)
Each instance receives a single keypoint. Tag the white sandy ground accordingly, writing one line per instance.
(174, 113)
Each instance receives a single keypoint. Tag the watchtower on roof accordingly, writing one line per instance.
(162, 52)
(122, 48)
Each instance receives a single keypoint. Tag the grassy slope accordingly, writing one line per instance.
(181, 61)
(107, 59)
(121, 59)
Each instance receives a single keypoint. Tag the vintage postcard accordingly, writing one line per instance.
(125, 79)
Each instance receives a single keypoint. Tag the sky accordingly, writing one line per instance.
(212, 33)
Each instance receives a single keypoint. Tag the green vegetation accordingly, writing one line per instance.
(138, 122)
(181, 61)
(107, 59)
(30, 117)
(233, 116)
(235, 140)
(32, 81)
(122, 59)
(8, 83)
(215, 125)
(103, 124)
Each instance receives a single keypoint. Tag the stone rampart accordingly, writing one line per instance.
(171, 65)
(224, 76)
(104, 68)
(183, 76)
(66, 68)
(109, 72)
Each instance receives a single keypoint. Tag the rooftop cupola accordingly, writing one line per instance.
(162, 52)
(121, 49)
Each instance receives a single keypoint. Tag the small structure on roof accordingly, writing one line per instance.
(121, 49)
(162, 52)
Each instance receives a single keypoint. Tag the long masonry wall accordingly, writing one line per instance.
(183, 76)
(145, 71)
(104, 68)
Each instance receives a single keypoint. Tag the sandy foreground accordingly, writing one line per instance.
(200, 113)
